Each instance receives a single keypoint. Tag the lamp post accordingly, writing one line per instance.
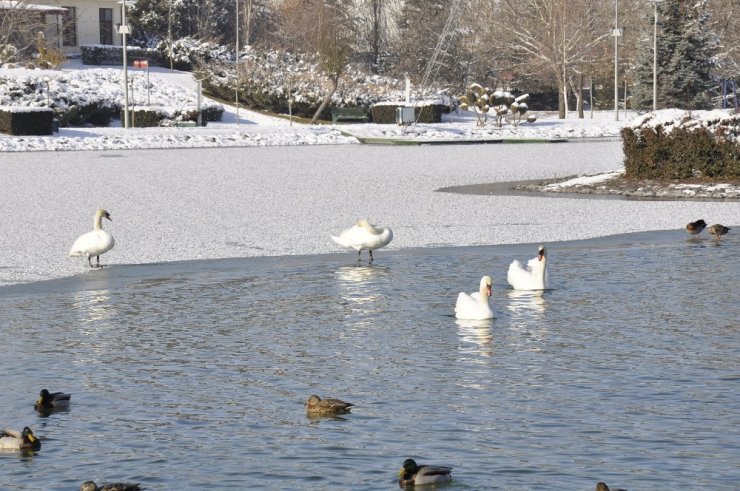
(617, 32)
(236, 64)
(124, 31)
(655, 55)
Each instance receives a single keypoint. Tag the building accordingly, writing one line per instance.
(83, 22)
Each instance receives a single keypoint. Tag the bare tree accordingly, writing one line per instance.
(20, 25)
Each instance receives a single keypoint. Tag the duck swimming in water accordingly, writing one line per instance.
(412, 474)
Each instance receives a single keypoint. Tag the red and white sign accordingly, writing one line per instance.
(141, 63)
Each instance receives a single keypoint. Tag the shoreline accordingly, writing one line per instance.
(611, 185)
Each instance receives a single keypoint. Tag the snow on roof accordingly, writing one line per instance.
(34, 7)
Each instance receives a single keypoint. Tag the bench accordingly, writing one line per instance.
(348, 114)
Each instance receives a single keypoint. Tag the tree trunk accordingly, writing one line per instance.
(579, 96)
(327, 98)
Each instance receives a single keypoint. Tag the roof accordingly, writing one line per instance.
(32, 7)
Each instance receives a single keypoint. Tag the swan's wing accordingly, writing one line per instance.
(532, 263)
(517, 276)
(82, 244)
(464, 302)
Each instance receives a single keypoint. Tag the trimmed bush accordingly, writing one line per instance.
(431, 113)
(96, 54)
(25, 120)
(687, 148)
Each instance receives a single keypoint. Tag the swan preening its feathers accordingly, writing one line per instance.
(364, 235)
(95, 243)
(533, 277)
(475, 306)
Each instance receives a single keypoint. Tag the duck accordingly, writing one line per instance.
(19, 440)
(718, 230)
(96, 242)
(114, 486)
(326, 407)
(52, 400)
(364, 235)
(412, 474)
(533, 277)
(475, 306)
(601, 486)
(696, 227)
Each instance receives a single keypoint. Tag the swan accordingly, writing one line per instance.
(533, 277)
(718, 230)
(317, 406)
(363, 235)
(475, 306)
(96, 242)
(19, 440)
(696, 227)
(49, 401)
(412, 474)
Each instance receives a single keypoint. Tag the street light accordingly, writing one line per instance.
(236, 64)
(125, 31)
(616, 32)
(655, 55)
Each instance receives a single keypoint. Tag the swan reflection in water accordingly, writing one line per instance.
(526, 303)
(478, 333)
(360, 284)
(94, 307)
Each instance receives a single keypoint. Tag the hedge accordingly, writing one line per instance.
(654, 153)
(386, 113)
(26, 121)
(113, 55)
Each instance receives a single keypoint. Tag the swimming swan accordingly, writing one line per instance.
(533, 277)
(412, 474)
(475, 306)
(363, 235)
(96, 242)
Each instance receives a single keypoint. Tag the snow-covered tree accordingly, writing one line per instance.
(685, 59)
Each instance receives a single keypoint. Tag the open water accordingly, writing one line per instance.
(193, 375)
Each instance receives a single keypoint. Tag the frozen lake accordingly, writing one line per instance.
(170, 205)
(193, 375)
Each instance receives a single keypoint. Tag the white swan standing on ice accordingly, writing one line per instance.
(363, 235)
(96, 242)
(533, 277)
(475, 306)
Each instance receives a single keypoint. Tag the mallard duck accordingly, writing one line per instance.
(533, 277)
(718, 230)
(412, 474)
(601, 486)
(96, 242)
(17, 440)
(322, 407)
(363, 235)
(114, 486)
(50, 401)
(696, 227)
(475, 306)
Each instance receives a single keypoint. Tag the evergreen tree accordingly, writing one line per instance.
(686, 51)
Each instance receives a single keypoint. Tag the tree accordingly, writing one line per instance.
(685, 59)
(19, 28)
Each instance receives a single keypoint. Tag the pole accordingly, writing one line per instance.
(148, 86)
(616, 60)
(125, 64)
(236, 63)
(655, 58)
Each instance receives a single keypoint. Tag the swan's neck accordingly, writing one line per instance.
(98, 222)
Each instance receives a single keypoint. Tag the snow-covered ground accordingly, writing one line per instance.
(215, 202)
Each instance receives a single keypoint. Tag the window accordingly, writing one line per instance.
(106, 26)
(69, 27)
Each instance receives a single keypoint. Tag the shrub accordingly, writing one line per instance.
(430, 113)
(684, 149)
(95, 54)
(26, 120)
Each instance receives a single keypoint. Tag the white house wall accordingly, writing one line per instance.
(88, 22)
